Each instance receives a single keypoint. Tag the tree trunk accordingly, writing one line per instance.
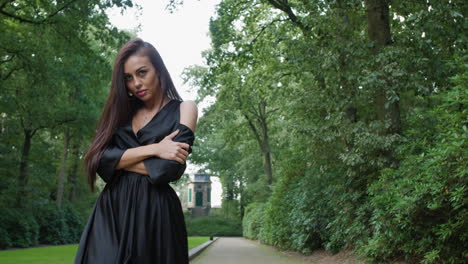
(23, 170)
(378, 21)
(350, 90)
(262, 139)
(266, 144)
(61, 179)
(268, 170)
(73, 175)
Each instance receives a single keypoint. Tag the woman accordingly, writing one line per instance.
(143, 138)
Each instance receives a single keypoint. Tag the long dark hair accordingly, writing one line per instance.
(120, 108)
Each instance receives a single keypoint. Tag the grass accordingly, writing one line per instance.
(41, 255)
(58, 254)
(194, 241)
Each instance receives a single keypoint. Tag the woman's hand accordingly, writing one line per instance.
(172, 150)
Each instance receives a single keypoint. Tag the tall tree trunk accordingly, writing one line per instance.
(23, 169)
(267, 154)
(73, 175)
(267, 165)
(265, 143)
(61, 179)
(262, 138)
(350, 90)
(378, 21)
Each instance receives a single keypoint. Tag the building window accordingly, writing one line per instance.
(199, 199)
(208, 198)
(190, 195)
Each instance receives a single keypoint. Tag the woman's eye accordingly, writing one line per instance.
(127, 78)
(141, 73)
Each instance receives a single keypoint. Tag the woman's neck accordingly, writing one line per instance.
(152, 105)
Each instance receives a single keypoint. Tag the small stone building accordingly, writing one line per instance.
(199, 195)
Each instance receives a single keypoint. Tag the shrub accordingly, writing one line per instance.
(20, 228)
(5, 241)
(276, 231)
(53, 227)
(74, 223)
(213, 226)
(420, 208)
(58, 226)
(253, 220)
(300, 213)
(230, 209)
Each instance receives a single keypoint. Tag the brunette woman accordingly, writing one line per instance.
(142, 141)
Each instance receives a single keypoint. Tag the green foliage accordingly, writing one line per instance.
(420, 209)
(20, 229)
(367, 139)
(5, 240)
(58, 226)
(253, 220)
(230, 209)
(213, 226)
(43, 224)
(47, 49)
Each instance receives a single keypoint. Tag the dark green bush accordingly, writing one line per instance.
(421, 207)
(53, 228)
(58, 226)
(5, 241)
(303, 211)
(74, 223)
(213, 226)
(276, 231)
(21, 229)
(39, 224)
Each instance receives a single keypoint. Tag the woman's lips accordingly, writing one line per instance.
(141, 93)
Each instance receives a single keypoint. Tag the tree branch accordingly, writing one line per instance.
(264, 28)
(36, 22)
(57, 123)
(271, 111)
(4, 4)
(9, 74)
(254, 130)
(283, 6)
(7, 60)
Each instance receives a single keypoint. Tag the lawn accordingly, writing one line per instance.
(58, 254)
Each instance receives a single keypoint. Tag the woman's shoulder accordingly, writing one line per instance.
(188, 106)
(189, 114)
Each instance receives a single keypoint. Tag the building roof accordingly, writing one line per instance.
(201, 177)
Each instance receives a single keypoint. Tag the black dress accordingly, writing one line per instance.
(138, 219)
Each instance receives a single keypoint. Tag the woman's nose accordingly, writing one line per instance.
(137, 82)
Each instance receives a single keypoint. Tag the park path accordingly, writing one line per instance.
(238, 250)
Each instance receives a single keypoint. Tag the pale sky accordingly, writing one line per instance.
(180, 38)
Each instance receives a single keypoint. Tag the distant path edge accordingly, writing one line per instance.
(198, 249)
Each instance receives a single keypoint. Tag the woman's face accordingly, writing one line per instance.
(141, 78)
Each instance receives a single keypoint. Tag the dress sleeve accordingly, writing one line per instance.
(164, 171)
(109, 160)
